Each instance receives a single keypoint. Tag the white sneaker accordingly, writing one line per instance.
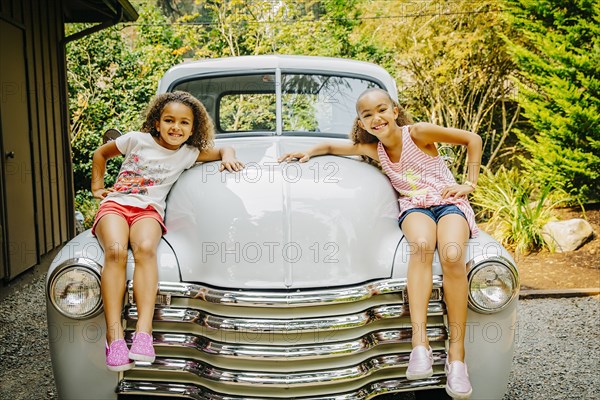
(458, 385)
(420, 363)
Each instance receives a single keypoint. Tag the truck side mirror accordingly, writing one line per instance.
(447, 154)
(110, 134)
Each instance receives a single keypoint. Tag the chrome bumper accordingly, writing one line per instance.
(348, 343)
(198, 393)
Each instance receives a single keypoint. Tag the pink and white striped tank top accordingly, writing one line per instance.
(420, 178)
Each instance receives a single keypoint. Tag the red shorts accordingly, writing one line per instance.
(129, 213)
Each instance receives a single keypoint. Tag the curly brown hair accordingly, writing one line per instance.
(203, 130)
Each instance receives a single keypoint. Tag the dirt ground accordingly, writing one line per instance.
(579, 269)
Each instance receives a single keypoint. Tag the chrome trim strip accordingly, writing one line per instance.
(286, 353)
(480, 261)
(298, 298)
(491, 257)
(197, 392)
(271, 325)
(288, 380)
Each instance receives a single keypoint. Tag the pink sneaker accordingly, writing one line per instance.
(141, 348)
(117, 358)
(457, 380)
(420, 363)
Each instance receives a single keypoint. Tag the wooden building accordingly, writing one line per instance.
(36, 185)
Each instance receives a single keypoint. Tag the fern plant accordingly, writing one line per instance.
(516, 208)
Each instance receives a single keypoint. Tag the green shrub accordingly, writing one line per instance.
(516, 208)
(86, 204)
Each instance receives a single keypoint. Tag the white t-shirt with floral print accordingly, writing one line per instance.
(148, 171)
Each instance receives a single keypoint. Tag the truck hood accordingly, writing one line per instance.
(331, 221)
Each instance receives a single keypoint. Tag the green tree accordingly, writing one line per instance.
(220, 28)
(451, 66)
(558, 55)
(112, 75)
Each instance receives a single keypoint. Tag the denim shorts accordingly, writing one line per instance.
(435, 212)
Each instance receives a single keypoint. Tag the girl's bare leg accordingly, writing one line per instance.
(453, 234)
(420, 231)
(145, 236)
(112, 232)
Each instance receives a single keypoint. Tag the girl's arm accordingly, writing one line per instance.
(425, 135)
(101, 155)
(225, 154)
(359, 149)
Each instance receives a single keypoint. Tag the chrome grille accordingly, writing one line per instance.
(341, 343)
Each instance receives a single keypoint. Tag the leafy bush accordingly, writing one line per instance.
(516, 208)
(87, 205)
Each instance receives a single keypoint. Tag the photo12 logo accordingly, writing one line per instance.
(269, 252)
(273, 171)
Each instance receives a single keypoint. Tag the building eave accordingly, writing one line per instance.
(115, 11)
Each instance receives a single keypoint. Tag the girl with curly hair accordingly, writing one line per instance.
(177, 133)
(434, 213)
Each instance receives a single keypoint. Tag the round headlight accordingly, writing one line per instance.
(493, 283)
(74, 290)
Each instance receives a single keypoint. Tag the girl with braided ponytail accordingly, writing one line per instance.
(434, 214)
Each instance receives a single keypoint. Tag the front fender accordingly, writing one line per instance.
(77, 347)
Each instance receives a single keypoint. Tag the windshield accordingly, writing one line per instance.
(311, 104)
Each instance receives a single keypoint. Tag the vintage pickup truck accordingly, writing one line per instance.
(282, 280)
